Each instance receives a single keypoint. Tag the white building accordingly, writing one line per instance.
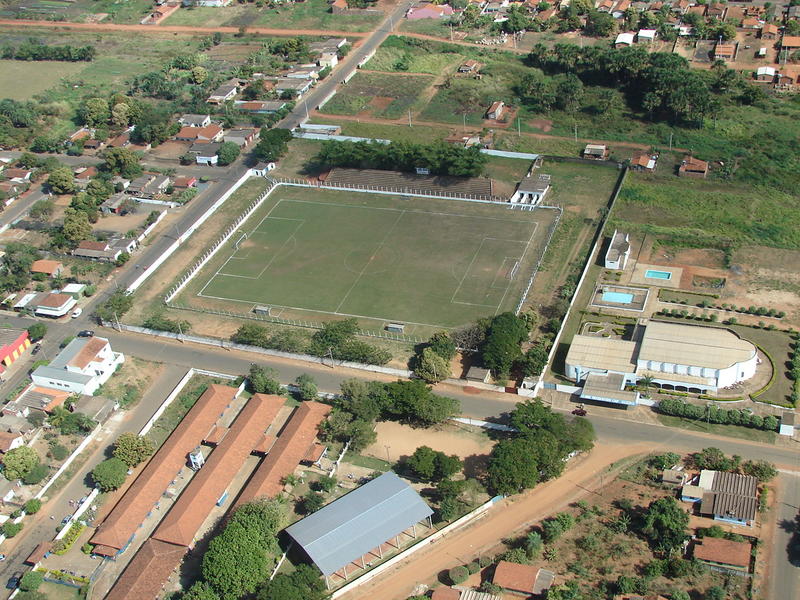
(532, 190)
(618, 251)
(624, 39)
(688, 358)
(80, 368)
(55, 305)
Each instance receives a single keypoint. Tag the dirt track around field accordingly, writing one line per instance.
(511, 516)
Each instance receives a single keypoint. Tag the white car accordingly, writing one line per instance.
(77, 313)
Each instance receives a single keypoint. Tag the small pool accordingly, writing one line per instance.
(653, 274)
(618, 297)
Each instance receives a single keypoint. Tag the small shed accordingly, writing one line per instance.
(478, 374)
(673, 477)
(395, 327)
(787, 423)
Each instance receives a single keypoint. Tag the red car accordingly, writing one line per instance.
(580, 412)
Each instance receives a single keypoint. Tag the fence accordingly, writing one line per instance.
(151, 227)
(553, 227)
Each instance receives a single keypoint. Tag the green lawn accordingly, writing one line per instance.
(418, 261)
(21, 80)
(735, 431)
(382, 95)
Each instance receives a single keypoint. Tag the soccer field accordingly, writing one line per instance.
(416, 261)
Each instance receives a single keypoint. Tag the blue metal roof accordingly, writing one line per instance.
(352, 525)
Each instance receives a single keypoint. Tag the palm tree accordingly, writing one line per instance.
(57, 416)
(646, 381)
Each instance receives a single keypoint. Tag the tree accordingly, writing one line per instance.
(237, 561)
(431, 465)
(32, 506)
(761, 469)
(199, 74)
(306, 387)
(76, 226)
(36, 475)
(60, 181)
(502, 346)
(599, 24)
(533, 544)
(263, 380)
(414, 402)
(443, 345)
(11, 529)
(272, 144)
(122, 161)
(95, 111)
(227, 153)
(42, 209)
(432, 367)
(304, 583)
(31, 581)
(19, 462)
(133, 449)
(37, 331)
(511, 468)
(110, 474)
(115, 307)
(200, 590)
(665, 524)
(715, 593)
(311, 502)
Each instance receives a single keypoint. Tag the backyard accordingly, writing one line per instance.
(378, 95)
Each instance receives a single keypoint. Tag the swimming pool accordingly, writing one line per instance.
(653, 274)
(618, 297)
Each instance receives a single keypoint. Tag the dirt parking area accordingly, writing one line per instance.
(170, 150)
(130, 222)
(399, 440)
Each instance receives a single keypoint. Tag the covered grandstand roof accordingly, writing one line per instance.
(359, 522)
(291, 447)
(197, 501)
(122, 522)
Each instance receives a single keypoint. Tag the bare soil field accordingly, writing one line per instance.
(397, 441)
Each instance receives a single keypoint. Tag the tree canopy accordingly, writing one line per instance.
(502, 345)
(18, 462)
(665, 524)
(133, 449)
(432, 465)
(110, 474)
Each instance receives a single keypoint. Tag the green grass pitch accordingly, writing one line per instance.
(415, 261)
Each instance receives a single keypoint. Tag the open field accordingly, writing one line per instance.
(311, 14)
(21, 80)
(319, 253)
(378, 95)
(115, 11)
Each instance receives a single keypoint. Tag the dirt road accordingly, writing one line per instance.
(512, 516)
(185, 29)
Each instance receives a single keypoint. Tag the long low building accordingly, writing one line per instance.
(209, 486)
(674, 356)
(359, 523)
(122, 523)
(291, 447)
(146, 574)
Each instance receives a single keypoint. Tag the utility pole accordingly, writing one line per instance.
(180, 332)
(670, 141)
(465, 122)
(576, 132)
(409, 117)
(519, 128)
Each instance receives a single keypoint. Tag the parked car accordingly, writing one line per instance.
(36, 349)
(580, 412)
(66, 519)
(77, 313)
(13, 581)
(2, 557)
(86, 333)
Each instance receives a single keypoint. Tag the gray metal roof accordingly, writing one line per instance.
(358, 522)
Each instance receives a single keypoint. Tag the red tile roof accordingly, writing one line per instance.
(446, 593)
(146, 574)
(48, 267)
(87, 173)
(38, 553)
(791, 41)
(292, 445)
(89, 245)
(121, 524)
(198, 499)
(6, 439)
(726, 552)
(515, 577)
(89, 352)
(55, 300)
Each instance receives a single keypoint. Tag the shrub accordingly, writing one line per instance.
(36, 474)
(61, 546)
(32, 506)
(31, 581)
(458, 574)
(485, 561)
(58, 452)
(11, 529)
(474, 567)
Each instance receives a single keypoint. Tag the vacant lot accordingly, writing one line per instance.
(426, 262)
(21, 80)
(378, 95)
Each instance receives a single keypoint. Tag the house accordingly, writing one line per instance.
(148, 186)
(94, 145)
(223, 93)
(647, 36)
(618, 11)
(751, 23)
(469, 67)
(725, 51)
(118, 204)
(182, 183)
(83, 175)
(262, 169)
(11, 190)
(339, 7)
(330, 44)
(478, 374)
(693, 167)
(644, 161)
(595, 152)
(723, 555)
(790, 42)
(10, 440)
(13, 342)
(545, 15)
(769, 32)
(74, 289)
(261, 107)
(206, 3)
(55, 305)
(297, 87)
(787, 80)
(619, 249)
(532, 190)
(496, 110)
(765, 74)
(205, 154)
(303, 73)
(240, 136)
(121, 141)
(605, 6)
(793, 13)
(106, 251)
(624, 39)
(716, 11)
(685, 358)
(429, 11)
(328, 59)
(79, 136)
(51, 268)
(209, 133)
(460, 593)
(729, 497)
(190, 120)
(18, 175)
(81, 367)
(522, 579)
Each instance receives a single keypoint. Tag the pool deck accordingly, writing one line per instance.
(638, 276)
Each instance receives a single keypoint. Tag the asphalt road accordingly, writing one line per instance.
(344, 68)
(20, 207)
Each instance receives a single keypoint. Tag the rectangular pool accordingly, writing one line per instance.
(653, 274)
(618, 297)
